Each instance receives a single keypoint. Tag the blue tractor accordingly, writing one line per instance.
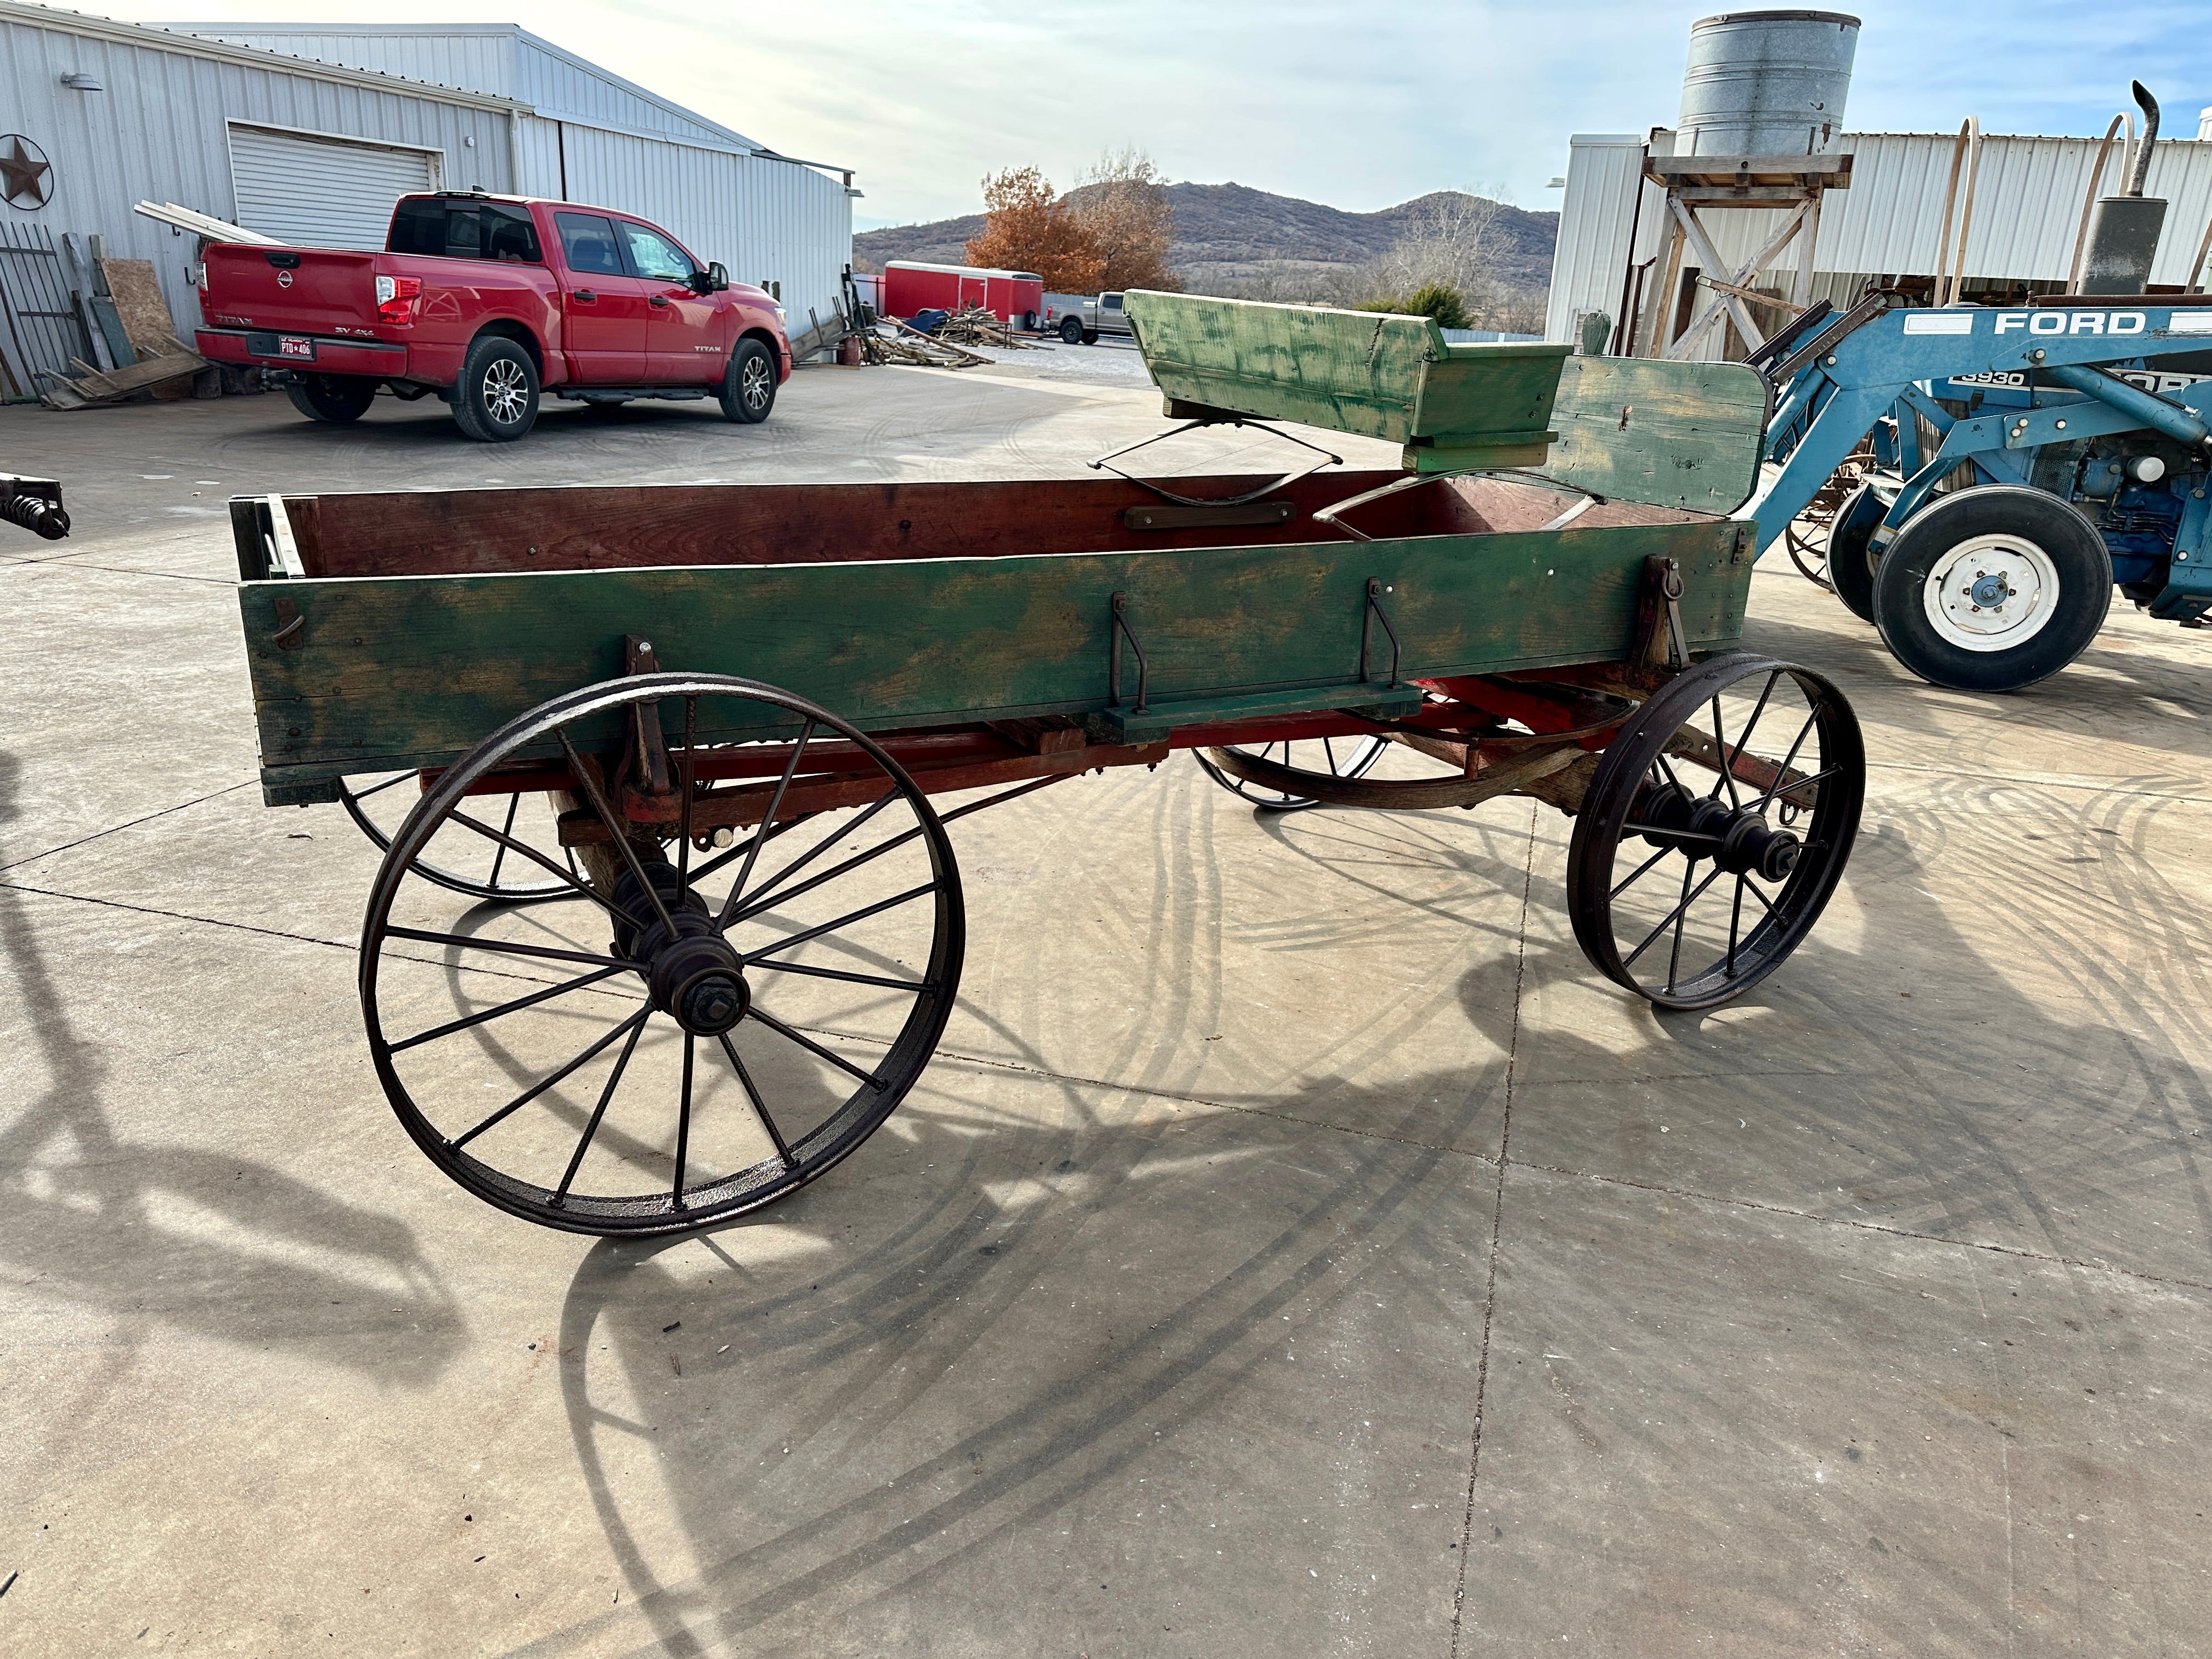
(2025, 462)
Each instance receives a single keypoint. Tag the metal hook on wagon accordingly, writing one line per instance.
(1119, 630)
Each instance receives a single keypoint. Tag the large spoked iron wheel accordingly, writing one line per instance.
(1715, 829)
(460, 859)
(1338, 759)
(706, 1035)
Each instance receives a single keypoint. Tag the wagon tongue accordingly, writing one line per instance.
(691, 972)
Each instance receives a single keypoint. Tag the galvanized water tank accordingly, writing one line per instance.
(1766, 83)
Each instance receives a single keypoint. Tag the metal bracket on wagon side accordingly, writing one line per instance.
(1118, 630)
(1372, 614)
(646, 759)
(1659, 603)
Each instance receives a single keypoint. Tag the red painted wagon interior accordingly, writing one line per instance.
(487, 531)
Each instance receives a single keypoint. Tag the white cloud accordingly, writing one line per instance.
(1358, 106)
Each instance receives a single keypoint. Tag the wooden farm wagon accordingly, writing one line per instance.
(716, 719)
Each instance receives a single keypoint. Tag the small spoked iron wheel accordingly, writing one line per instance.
(1715, 829)
(745, 994)
(459, 858)
(1338, 758)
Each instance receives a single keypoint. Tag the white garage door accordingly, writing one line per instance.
(323, 193)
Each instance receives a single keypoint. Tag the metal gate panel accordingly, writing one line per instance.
(323, 191)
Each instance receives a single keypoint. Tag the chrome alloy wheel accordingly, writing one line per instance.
(753, 384)
(506, 392)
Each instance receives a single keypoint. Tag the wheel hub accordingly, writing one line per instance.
(1991, 592)
(1739, 841)
(691, 973)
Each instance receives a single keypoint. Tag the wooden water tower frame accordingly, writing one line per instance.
(1696, 184)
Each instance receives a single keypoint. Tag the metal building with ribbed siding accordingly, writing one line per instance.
(308, 132)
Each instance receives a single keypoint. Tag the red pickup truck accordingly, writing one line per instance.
(485, 300)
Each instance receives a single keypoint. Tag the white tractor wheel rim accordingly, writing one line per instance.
(1991, 592)
(503, 393)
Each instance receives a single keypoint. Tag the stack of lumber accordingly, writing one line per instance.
(112, 386)
(975, 326)
(139, 335)
(892, 342)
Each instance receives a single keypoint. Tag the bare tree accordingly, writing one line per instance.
(1122, 202)
(1451, 239)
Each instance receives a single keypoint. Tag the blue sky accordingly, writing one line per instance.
(1358, 106)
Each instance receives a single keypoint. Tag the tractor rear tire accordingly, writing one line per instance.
(1992, 589)
(1851, 562)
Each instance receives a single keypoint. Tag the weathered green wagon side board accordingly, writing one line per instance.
(1673, 435)
(373, 674)
(1364, 373)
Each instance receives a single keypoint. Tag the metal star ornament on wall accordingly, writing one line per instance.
(27, 179)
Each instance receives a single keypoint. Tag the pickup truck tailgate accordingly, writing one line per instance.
(311, 290)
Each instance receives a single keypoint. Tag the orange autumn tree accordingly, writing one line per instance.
(1027, 227)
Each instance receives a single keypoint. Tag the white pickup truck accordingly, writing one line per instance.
(1080, 319)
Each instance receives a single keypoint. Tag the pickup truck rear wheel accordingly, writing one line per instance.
(335, 399)
(496, 400)
(1071, 330)
(748, 384)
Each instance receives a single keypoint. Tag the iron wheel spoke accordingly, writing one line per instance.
(1669, 921)
(774, 805)
(1803, 731)
(635, 1021)
(731, 855)
(690, 777)
(1727, 779)
(530, 1001)
(1743, 738)
(457, 816)
(683, 1124)
(1790, 787)
(506, 831)
(752, 963)
(584, 1141)
(544, 952)
(379, 788)
(760, 1106)
(1640, 871)
(598, 797)
(768, 898)
(877, 907)
(808, 1043)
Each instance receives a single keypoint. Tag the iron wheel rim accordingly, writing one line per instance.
(1626, 812)
(492, 888)
(796, 1159)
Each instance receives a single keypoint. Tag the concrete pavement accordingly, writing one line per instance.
(1297, 1248)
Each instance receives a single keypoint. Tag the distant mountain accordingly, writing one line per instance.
(1233, 232)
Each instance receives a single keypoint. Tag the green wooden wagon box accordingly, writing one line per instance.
(669, 919)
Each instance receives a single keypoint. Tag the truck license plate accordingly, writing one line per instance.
(297, 348)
